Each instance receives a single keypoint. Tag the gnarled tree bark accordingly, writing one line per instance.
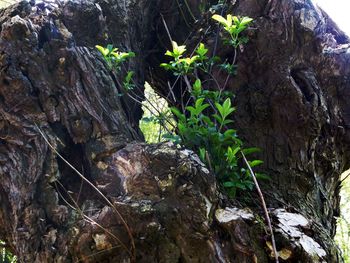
(163, 204)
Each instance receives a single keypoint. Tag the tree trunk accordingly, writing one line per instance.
(78, 185)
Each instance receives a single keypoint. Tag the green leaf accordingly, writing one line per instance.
(246, 20)
(122, 56)
(262, 176)
(218, 118)
(197, 87)
(220, 109)
(251, 150)
(229, 20)
(182, 128)
(225, 122)
(255, 163)
(129, 76)
(220, 19)
(236, 150)
(169, 53)
(230, 133)
(193, 59)
(198, 108)
(207, 120)
(199, 102)
(240, 29)
(188, 61)
(178, 114)
(202, 153)
(201, 50)
(192, 110)
(178, 50)
(129, 54)
(250, 186)
(229, 68)
(241, 186)
(202, 108)
(104, 51)
(110, 48)
(166, 66)
(225, 109)
(229, 184)
(227, 104)
(128, 85)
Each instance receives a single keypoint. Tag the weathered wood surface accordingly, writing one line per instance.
(292, 89)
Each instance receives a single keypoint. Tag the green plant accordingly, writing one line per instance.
(179, 65)
(206, 132)
(5, 255)
(157, 119)
(128, 83)
(185, 66)
(113, 57)
(234, 26)
(203, 116)
(114, 60)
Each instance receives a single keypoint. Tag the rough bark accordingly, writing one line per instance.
(163, 205)
(291, 88)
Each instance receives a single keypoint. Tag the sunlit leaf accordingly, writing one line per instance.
(220, 19)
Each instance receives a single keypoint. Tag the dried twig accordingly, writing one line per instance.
(132, 251)
(166, 28)
(264, 207)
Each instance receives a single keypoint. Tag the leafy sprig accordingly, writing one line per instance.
(113, 57)
(234, 26)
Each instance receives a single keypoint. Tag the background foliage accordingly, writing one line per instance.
(343, 224)
(152, 124)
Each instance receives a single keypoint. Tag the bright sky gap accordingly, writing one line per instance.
(338, 10)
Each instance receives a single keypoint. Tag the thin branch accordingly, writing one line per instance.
(233, 63)
(188, 84)
(171, 92)
(346, 177)
(209, 162)
(264, 207)
(182, 13)
(76, 207)
(166, 28)
(95, 188)
(189, 10)
(217, 37)
(138, 99)
(150, 103)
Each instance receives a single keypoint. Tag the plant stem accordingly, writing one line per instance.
(209, 162)
(166, 28)
(217, 37)
(264, 207)
(228, 76)
(189, 10)
(188, 84)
